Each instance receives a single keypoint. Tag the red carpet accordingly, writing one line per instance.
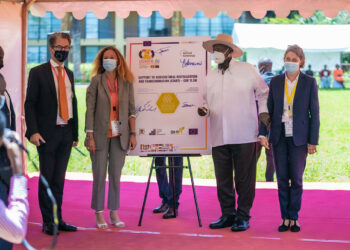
(325, 221)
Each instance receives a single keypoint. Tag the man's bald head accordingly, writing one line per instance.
(265, 65)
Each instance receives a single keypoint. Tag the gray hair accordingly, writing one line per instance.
(54, 36)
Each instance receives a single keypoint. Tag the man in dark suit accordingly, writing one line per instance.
(52, 124)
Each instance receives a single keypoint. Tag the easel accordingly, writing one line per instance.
(172, 169)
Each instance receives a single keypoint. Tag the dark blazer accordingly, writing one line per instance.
(306, 119)
(41, 103)
(10, 125)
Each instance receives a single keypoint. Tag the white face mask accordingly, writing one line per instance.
(109, 64)
(291, 67)
(219, 57)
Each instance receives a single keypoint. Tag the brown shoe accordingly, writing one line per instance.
(161, 209)
(170, 213)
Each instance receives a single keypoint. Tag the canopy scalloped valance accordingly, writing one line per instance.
(188, 8)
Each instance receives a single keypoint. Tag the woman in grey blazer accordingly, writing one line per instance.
(110, 128)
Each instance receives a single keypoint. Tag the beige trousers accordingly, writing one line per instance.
(114, 155)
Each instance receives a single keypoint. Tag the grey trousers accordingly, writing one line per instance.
(114, 155)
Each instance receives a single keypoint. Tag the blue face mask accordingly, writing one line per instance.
(109, 64)
(291, 67)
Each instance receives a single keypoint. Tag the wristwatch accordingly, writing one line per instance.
(132, 133)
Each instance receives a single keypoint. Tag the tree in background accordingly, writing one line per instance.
(318, 18)
(73, 25)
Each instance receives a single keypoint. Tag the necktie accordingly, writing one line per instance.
(62, 97)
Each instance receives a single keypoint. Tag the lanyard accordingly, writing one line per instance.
(64, 73)
(289, 97)
(116, 91)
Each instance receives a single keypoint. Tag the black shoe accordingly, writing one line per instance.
(295, 228)
(63, 226)
(170, 213)
(161, 209)
(240, 225)
(48, 228)
(283, 227)
(222, 222)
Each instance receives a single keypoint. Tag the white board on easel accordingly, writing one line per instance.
(169, 84)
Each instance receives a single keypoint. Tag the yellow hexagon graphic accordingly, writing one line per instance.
(167, 103)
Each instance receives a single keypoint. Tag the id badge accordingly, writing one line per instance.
(289, 128)
(115, 125)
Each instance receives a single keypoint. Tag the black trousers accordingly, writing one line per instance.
(240, 159)
(270, 161)
(290, 166)
(53, 158)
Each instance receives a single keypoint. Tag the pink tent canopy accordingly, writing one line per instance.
(14, 16)
(188, 8)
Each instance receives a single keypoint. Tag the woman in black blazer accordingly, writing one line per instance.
(294, 131)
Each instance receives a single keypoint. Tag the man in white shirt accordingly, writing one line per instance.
(230, 101)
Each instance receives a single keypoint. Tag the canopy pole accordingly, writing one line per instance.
(25, 10)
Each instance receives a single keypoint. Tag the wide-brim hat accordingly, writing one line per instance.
(224, 39)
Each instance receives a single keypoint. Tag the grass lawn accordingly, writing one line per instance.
(330, 164)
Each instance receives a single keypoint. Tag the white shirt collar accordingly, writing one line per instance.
(54, 64)
(292, 83)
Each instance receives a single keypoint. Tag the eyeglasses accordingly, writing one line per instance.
(60, 48)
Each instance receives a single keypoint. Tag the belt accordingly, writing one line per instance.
(62, 125)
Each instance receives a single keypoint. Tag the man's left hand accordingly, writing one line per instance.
(75, 143)
(265, 118)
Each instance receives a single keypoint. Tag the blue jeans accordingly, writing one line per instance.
(326, 82)
(337, 85)
(165, 186)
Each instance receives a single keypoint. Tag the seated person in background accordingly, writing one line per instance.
(309, 71)
(325, 76)
(13, 218)
(338, 82)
